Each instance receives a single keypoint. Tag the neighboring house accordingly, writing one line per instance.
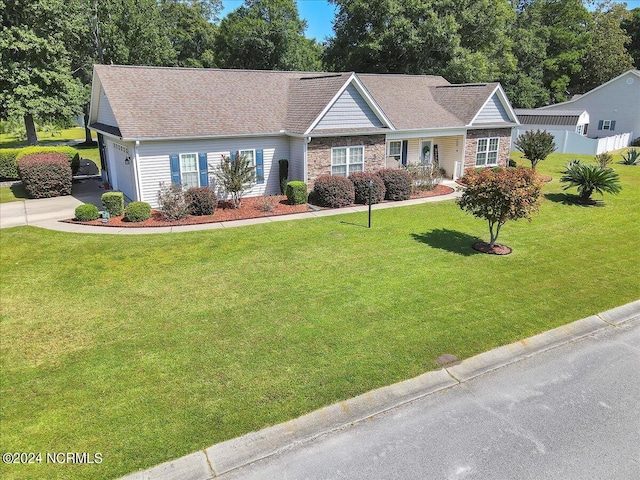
(161, 125)
(613, 117)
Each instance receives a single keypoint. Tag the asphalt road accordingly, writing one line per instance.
(569, 413)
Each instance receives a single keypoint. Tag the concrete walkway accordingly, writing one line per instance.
(242, 451)
(47, 212)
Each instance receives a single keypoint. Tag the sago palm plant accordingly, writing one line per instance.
(590, 178)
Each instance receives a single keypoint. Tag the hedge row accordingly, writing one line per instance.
(335, 191)
(45, 175)
(9, 158)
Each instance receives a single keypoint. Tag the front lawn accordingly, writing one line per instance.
(45, 138)
(146, 348)
(13, 193)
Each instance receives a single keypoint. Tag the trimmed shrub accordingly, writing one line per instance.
(397, 183)
(137, 212)
(296, 192)
(201, 201)
(45, 175)
(8, 163)
(283, 173)
(172, 202)
(361, 187)
(70, 152)
(333, 191)
(113, 202)
(87, 212)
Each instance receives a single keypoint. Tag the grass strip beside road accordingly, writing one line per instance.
(146, 348)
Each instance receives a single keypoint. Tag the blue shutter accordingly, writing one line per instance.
(405, 147)
(600, 124)
(204, 169)
(232, 155)
(174, 159)
(613, 124)
(259, 167)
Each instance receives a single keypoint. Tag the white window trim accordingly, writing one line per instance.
(180, 155)
(487, 151)
(253, 150)
(606, 124)
(347, 148)
(398, 155)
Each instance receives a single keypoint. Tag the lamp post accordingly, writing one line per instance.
(370, 188)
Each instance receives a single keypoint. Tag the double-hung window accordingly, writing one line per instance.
(607, 125)
(487, 153)
(189, 170)
(249, 155)
(395, 149)
(346, 160)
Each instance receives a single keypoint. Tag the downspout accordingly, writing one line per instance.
(305, 174)
(136, 164)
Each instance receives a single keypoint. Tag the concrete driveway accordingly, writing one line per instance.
(32, 212)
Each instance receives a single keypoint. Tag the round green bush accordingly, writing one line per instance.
(333, 191)
(137, 212)
(113, 202)
(397, 183)
(296, 192)
(201, 201)
(361, 186)
(87, 212)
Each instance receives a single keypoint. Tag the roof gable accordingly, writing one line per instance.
(493, 111)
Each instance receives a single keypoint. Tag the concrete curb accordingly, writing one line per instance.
(238, 452)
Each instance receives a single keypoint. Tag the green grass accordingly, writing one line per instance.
(13, 193)
(146, 348)
(76, 133)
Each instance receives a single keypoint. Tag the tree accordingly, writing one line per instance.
(535, 146)
(607, 55)
(590, 178)
(463, 40)
(632, 26)
(235, 175)
(266, 35)
(499, 195)
(35, 64)
(552, 37)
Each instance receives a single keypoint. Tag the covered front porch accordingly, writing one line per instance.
(442, 149)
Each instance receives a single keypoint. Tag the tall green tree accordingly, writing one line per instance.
(191, 29)
(552, 37)
(266, 35)
(632, 26)
(607, 55)
(36, 79)
(463, 40)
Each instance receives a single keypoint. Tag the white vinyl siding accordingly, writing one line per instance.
(155, 167)
(297, 150)
(350, 110)
(493, 112)
(346, 160)
(487, 153)
(105, 113)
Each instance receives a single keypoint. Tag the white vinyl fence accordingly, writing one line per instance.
(571, 142)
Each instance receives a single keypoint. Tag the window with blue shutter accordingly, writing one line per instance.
(259, 167)
(613, 124)
(232, 156)
(174, 160)
(204, 169)
(600, 123)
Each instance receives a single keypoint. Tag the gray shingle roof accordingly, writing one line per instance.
(163, 102)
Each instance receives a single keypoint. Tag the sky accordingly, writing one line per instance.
(318, 14)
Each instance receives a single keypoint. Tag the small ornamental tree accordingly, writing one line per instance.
(535, 146)
(500, 195)
(235, 176)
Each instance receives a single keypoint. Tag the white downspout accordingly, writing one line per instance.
(136, 166)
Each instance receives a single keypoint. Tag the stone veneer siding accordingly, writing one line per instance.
(471, 145)
(319, 153)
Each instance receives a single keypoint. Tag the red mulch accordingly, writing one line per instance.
(251, 207)
(495, 250)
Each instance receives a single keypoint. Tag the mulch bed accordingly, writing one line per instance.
(251, 207)
(495, 250)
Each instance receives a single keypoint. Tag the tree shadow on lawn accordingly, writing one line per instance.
(567, 199)
(450, 240)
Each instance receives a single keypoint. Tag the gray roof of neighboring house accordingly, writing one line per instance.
(165, 102)
(534, 116)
